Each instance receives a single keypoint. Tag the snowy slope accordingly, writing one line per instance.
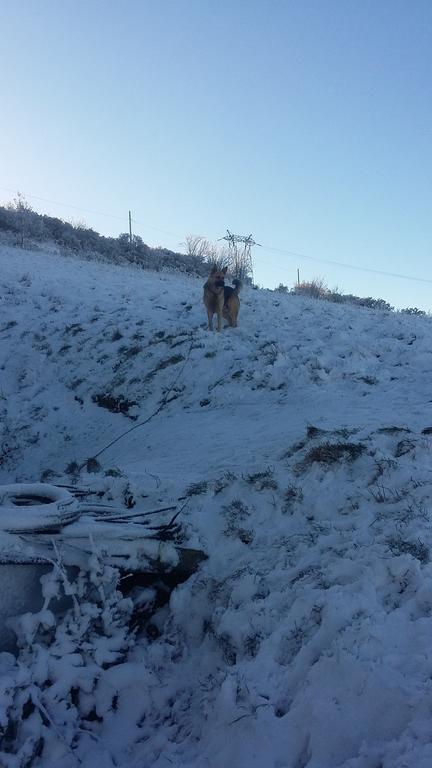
(301, 443)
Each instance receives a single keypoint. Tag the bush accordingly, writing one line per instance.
(316, 288)
(24, 225)
(52, 691)
(413, 311)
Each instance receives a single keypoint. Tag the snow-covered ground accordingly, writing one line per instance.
(301, 443)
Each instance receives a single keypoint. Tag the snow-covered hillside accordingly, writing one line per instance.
(301, 444)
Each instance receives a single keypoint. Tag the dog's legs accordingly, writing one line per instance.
(234, 310)
(219, 319)
(210, 320)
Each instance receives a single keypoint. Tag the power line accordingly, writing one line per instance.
(294, 254)
(88, 210)
(344, 265)
(65, 205)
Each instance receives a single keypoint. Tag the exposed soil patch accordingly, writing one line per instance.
(115, 404)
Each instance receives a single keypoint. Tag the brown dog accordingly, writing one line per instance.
(220, 299)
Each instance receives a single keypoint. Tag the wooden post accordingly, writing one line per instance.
(298, 277)
(130, 228)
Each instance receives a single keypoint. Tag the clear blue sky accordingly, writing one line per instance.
(306, 123)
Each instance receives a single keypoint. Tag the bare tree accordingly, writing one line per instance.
(208, 252)
(240, 264)
(196, 246)
(78, 223)
(26, 217)
(220, 256)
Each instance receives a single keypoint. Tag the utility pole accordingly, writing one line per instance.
(241, 258)
(130, 228)
(298, 277)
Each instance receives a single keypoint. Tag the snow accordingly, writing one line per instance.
(300, 444)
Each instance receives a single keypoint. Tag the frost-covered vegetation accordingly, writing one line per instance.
(318, 289)
(21, 225)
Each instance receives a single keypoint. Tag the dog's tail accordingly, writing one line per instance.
(237, 285)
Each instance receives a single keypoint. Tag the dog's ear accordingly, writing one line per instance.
(214, 269)
(225, 270)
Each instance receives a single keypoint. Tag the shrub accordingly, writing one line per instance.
(316, 288)
(263, 480)
(417, 549)
(413, 311)
(23, 225)
(52, 691)
(329, 453)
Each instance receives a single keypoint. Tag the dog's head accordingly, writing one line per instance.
(217, 276)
